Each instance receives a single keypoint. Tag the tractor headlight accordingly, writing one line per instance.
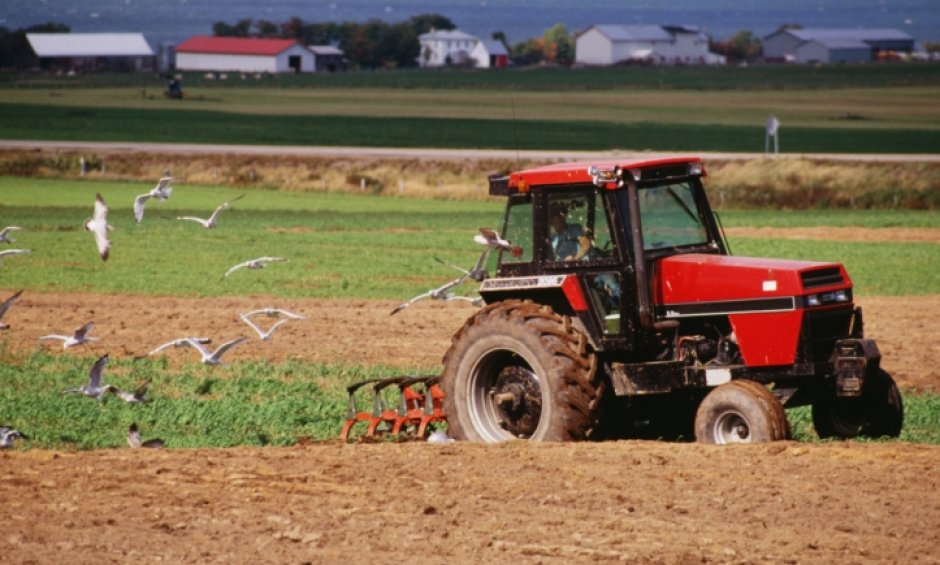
(833, 297)
(696, 169)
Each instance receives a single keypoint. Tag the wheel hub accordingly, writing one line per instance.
(517, 397)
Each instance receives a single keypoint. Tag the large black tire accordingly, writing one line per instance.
(519, 370)
(741, 411)
(878, 412)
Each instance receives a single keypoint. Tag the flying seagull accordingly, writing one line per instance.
(214, 218)
(133, 439)
(478, 272)
(7, 435)
(440, 293)
(283, 316)
(6, 306)
(258, 263)
(492, 239)
(10, 252)
(79, 337)
(215, 357)
(98, 225)
(93, 387)
(161, 192)
(5, 234)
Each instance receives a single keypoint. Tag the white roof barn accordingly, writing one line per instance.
(243, 54)
(610, 44)
(92, 51)
(834, 45)
(445, 47)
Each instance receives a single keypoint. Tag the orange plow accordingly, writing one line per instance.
(419, 405)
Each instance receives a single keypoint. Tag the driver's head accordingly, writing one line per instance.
(558, 216)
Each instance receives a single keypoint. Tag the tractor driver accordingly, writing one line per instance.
(570, 242)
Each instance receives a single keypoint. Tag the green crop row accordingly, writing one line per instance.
(246, 403)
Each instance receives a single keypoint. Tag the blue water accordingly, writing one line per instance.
(175, 20)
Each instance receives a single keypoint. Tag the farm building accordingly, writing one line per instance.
(84, 52)
(490, 54)
(817, 45)
(446, 47)
(665, 45)
(243, 54)
(327, 58)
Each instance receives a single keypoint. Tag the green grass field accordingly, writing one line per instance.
(865, 109)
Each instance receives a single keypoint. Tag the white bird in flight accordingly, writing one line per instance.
(161, 192)
(93, 387)
(6, 306)
(214, 218)
(439, 293)
(133, 439)
(98, 225)
(271, 313)
(214, 357)
(136, 397)
(7, 435)
(5, 234)
(79, 337)
(258, 263)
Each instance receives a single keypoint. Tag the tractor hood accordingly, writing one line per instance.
(701, 278)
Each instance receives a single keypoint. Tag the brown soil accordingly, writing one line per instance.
(363, 332)
(464, 503)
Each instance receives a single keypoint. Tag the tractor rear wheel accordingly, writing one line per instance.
(879, 411)
(519, 370)
(741, 411)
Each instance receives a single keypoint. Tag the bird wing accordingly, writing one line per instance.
(163, 184)
(235, 268)
(223, 206)
(13, 252)
(408, 303)
(270, 259)
(139, 206)
(8, 229)
(197, 345)
(101, 210)
(205, 223)
(122, 394)
(153, 444)
(253, 326)
(94, 376)
(270, 331)
(167, 345)
(9, 302)
(101, 239)
(478, 273)
(81, 332)
(55, 336)
(290, 314)
(226, 346)
(451, 265)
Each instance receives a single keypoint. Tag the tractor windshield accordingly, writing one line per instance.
(670, 217)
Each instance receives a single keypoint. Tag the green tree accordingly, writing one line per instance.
(423, 23)
(557, 45)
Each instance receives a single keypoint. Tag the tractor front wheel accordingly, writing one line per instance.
(741, 411)
(519, 370)
(879, 411)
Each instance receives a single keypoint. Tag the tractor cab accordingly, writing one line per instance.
(605, 226)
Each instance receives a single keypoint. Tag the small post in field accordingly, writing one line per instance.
(772, 126)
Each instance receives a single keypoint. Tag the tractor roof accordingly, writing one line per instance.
(580, 172)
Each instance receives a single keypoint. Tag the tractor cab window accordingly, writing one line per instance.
(577, 227)
(518, 230)
(670, 217)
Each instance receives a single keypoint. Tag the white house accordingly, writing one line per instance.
(490, 54)
(823, 45)
(243, 54)
(92, 51)
(446, 47)
(667, 45)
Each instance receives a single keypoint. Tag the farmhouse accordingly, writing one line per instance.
(665, 45)
(490, 54)
(83, 52)
(446, 47)
(243, 54)
(818, 45)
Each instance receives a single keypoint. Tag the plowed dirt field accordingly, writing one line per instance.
(628, 501)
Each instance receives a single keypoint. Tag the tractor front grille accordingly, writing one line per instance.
(821, 277)
(821, 330)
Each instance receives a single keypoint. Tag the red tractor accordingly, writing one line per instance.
(618, 306)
